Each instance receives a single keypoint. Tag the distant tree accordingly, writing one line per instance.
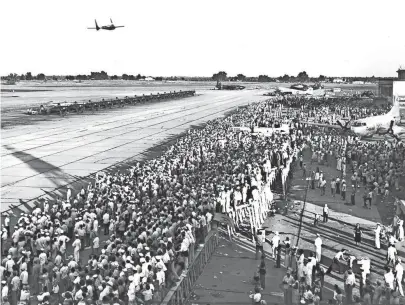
(220, 76)
(22, 77)
(81, 77)
(264, 78)
(159, 78)
(11, 76)
(99, 75)
(131, 77)
(285, 78)
(139, 76)
(322, 78)
(55, 78)
(70, 77)
(303, 76)
(114, 77)
(41, 76)
(124, 76)
(28, 76)
(241, 77)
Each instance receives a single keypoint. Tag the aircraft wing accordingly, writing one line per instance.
(120, 26)
(92, 28)
(321, 124)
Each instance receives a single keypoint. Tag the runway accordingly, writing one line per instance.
(43, 159)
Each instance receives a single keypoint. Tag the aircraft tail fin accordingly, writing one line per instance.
(97, 27)
(395, 108)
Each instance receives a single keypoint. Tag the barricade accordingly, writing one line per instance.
(179, 294)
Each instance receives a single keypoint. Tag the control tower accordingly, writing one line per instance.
(401, 74)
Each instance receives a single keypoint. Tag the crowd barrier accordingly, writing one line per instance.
(179, 294)
(80, 107)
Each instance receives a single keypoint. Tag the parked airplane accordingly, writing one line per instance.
(379, 124)
(296, 90)
(106, 27)
(367, 127)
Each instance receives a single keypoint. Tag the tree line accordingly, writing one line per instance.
(302, 77)
(221, 76)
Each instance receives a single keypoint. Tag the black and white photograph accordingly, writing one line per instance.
(202, 152)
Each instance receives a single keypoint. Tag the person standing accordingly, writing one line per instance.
(353, 196)
(333, 187)
(15, 288)
(7, 224)
(76, 248)
(323, 186)
(260, 239)
(325, 213)
(287, 257)
(337, 185)
(391, 255)
(278, 256)
(318, 248)
(350, 282)
(275, 241)
(262, 272)
(377, 232)
(288, 282)
(106, 222)
(389, 278)
(399, 272)
(68, 194)
(357, 234)
(343, 190)
(317, 217)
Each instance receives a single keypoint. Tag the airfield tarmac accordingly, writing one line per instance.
(44, 158)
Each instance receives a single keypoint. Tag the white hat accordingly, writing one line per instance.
(142, 260)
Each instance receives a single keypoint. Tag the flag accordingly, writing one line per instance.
(222, 218)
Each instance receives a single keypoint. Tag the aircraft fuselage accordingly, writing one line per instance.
(108, 27)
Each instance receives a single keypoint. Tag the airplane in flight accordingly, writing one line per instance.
(110, 27)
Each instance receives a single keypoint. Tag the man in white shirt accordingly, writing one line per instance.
(391, 255)
(325, 213)
(399, 272)
(275, 241)
(160, 275)
(350, 281)
(389, 278)
(106, 223)
(76, 248)
(209, 218)
(318, 248)
(336, 261)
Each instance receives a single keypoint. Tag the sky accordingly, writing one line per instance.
(200, 38)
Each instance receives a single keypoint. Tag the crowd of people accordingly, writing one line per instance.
(373, 168)
(126, 238)
(153, 214)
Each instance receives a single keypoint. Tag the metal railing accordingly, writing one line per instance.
(179, 294)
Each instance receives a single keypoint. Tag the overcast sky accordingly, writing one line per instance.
(190, 38)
